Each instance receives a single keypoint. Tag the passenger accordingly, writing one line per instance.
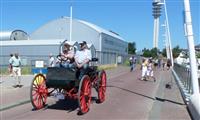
(67, 56)
(82, 58)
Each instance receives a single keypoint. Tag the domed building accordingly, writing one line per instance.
(46, 39)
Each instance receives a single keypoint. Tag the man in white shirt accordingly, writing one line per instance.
(16, 63)
(82, 58)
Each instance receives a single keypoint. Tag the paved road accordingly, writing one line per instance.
(127, 97)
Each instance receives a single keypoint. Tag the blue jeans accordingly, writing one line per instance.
(83, 71)
(66, 65)
(132, 67)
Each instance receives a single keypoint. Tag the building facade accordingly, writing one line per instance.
(108, 44)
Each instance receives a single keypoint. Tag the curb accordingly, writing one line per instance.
(14, 105)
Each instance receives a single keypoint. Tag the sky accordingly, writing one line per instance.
(131, 19)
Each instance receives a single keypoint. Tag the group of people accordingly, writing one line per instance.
(148, 65)
(14, 69)
(147, 69)
(70, 59)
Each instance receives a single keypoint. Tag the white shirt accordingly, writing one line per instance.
(15, 62)
(81, 56)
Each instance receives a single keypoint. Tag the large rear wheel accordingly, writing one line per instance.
(102, 87)
(39, 91)
(84, 94)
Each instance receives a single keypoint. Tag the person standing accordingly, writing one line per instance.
(16, 63)
(51, 60)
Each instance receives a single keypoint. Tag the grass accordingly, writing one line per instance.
(25, 70)
(107, 67)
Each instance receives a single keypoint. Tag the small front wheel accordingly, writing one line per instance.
(39, 91)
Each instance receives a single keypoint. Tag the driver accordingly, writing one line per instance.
(67, 56)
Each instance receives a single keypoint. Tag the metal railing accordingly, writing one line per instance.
(183, 77)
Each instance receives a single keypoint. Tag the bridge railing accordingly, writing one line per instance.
(183, 78)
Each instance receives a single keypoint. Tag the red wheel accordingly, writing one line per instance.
(102, 87)
(38, 93)
(84, 94)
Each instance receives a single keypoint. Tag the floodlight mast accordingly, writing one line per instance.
(156, 15)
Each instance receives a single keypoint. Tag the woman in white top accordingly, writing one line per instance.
(150, 70)
(144, 69)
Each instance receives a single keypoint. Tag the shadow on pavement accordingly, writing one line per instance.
(163, 100)
(132, 92)
(68, 104)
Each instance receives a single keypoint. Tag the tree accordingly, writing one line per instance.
(150, 53)
(176, 51)
(146, 52)
(131, 48)
(164, 53)
(154, 52)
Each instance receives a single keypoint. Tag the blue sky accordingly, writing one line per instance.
(132, 19)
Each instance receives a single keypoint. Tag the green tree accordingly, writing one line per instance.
(176, 51)
(164, 53)
(198, 54)
(146, 52)
(131, 47)
(154, 52)
(150, 53)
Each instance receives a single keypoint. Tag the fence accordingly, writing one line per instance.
(29, 60)
(183, 77)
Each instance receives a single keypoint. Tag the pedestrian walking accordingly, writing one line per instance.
(163, 65)
(132, 61)
(168, 64)
(150, 70)
(144, 69)
(16, 63)
(10, 67)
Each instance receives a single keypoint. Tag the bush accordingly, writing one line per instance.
(127, 63)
